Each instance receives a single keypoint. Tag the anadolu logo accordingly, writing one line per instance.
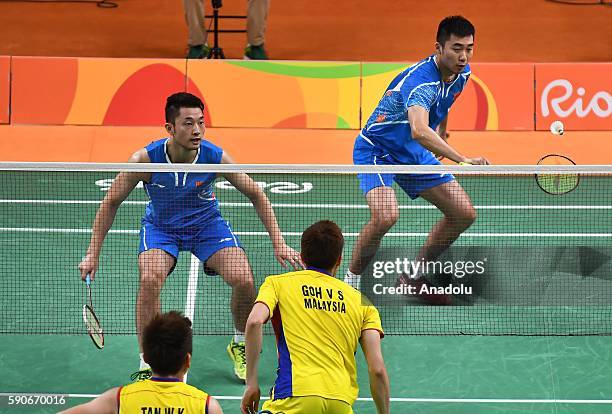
(565, 105)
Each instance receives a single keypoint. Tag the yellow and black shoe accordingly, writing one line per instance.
(237, 353)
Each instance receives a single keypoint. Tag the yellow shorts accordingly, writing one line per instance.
(308, 404)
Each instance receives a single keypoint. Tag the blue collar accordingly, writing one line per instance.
(166, 379)
(316, 269)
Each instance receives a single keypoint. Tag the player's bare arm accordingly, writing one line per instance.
(442, 133)
(121, 188)
(258, 316)
(103, 404)
(442, 129)
(245, 184)
(379, 380)
(427, 137)
(214, 407)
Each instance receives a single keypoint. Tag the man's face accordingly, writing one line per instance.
(188, 128)
(456, 53)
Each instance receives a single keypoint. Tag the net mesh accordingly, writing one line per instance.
(530, 264)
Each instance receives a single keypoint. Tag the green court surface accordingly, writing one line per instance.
(536, 239)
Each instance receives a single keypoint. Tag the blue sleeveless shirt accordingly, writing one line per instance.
(182, 202)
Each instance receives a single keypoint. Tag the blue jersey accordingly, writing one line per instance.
(181, 202)
(388, 128)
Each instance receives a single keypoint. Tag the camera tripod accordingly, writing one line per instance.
(216, 52)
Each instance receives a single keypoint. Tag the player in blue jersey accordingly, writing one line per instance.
(408, 127)
(183, 215)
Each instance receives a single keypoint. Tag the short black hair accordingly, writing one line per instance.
(179, 100)
(166, 341)
(322, 245)
(457, 25)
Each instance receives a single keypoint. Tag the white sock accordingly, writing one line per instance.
(238, 336)
(416, 276)
(352, 279)
(143, 364)
(419, 272)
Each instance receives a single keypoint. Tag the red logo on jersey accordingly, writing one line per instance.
(380, 118)
(199, 183)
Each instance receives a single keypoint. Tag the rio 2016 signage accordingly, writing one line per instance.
(578, 94)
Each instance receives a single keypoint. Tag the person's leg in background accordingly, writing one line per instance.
(257, 19)
(194, 17)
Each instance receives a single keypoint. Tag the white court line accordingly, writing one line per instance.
(336, 206)
(297, 233)
(192, 287)
(415, 400)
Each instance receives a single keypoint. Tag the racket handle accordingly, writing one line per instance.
(87, 280)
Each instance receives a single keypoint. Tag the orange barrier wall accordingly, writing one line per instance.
(68, 143)
(285, 146)
(88, 91)
(498, 96)
(322, 95)
(278, 94)
(5, 88)
(578, 94)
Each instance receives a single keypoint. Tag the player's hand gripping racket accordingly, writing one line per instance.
(557, 184)
(475, 161)
(91, 320)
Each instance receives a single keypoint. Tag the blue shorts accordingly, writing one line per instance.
(208, 239)
(413, 184)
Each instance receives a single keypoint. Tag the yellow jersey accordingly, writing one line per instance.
(317, 320)
(162, 396)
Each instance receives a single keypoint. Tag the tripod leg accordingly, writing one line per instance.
(216, 51)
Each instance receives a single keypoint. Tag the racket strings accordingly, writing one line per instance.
(557, 184)
(94, 329)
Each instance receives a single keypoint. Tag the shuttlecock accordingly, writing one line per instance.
(557, 128)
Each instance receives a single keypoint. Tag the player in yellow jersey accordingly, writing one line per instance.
(167, 346)
(318, 321)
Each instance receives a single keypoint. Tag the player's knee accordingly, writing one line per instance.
(470, 215)
(385, 219)
(242, 282)
(466, 217)
(152, 281)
